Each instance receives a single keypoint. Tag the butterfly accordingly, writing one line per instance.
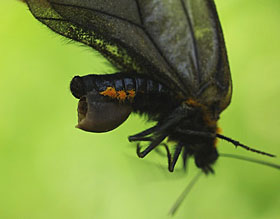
(172, 67)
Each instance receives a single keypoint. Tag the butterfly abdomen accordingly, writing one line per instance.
(143, 94)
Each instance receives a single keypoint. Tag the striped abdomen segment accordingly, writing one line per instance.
(119, 86)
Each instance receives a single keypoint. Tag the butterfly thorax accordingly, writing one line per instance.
(196, 132)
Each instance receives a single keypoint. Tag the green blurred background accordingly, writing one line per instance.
(49, 169)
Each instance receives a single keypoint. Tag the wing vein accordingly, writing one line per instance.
(139, 12)
(193, 39)
(155, 44)
(98, 11)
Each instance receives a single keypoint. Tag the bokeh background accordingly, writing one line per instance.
(49, 169)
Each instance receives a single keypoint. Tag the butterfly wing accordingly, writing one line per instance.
(178, 43)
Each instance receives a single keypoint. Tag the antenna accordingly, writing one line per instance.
(186, 191)
(183, 195)
(252, 160)
(238, 144)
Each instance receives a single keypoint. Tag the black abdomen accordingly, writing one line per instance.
(143, 94)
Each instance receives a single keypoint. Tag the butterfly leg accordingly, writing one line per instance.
(175, 157)
(172, 161)
(153, 144)
(159, 128)
(140, 136)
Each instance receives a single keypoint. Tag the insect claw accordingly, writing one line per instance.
(169, 158)
(138, 151)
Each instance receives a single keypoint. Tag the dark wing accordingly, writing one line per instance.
(188, 34)
(178, 42)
